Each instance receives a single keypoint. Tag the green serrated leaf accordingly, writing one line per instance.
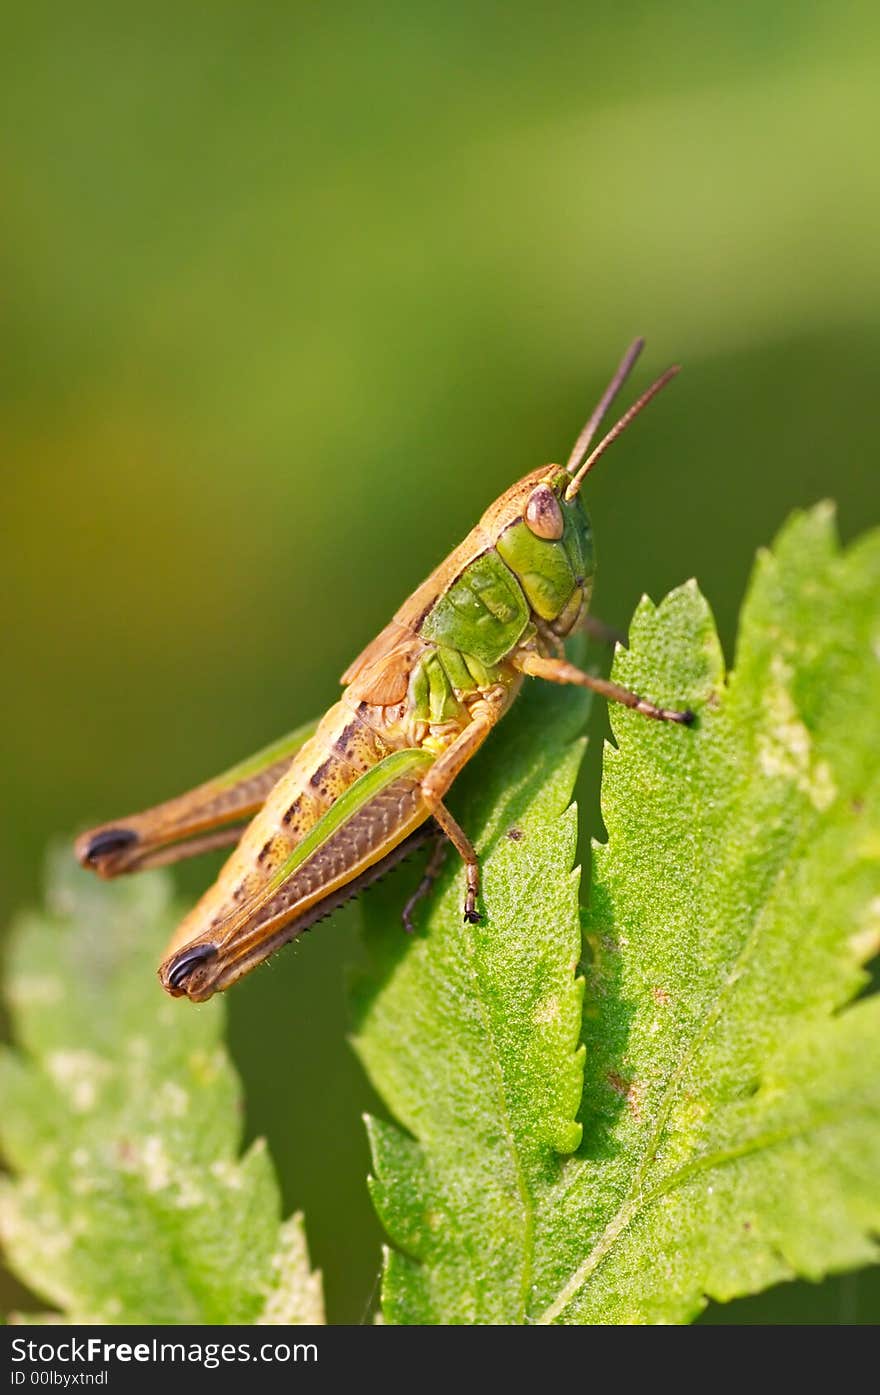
(471, 1033)
(122, 1121)
(731, 1106)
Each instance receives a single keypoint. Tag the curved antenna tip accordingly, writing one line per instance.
(619, 427)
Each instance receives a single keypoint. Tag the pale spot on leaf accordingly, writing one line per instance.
(36, 990)
(228, 1174)
(80, 1074)
(865, 943)
(154, 1164)
(173, 1100)
(547, 1010)
(785, 745)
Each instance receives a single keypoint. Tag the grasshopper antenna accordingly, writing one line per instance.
(624, 368)
(583, 441)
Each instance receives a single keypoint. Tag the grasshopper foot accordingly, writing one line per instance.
(685, 718)
(471, 914)
(97, 850)
(184, 965)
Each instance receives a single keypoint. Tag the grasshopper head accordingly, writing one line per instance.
(546, 541)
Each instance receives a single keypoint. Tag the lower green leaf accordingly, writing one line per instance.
(121, 1125)
(731, 1105)
(471, 1033)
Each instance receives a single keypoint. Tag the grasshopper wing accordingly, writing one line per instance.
(373, 823)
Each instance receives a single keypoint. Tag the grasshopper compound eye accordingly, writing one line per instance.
(543, 515)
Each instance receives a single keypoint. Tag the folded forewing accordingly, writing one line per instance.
(360, 829)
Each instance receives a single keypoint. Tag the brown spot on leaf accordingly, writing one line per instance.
(629, 1090)
(516, 835)
(660, 996)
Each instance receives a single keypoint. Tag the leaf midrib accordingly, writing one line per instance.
(632, 1205)
(525, 1196)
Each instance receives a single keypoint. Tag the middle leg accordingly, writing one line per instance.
(439, 779)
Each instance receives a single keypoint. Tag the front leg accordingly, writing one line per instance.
(560, 671)
(438, 781)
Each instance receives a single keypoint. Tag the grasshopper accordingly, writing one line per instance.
(333, 805)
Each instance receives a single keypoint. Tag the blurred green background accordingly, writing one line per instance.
(288, 293)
